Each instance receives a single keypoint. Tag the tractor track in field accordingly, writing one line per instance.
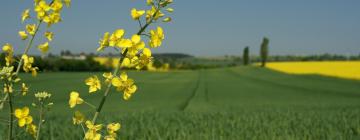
(305, 89)
(193, 92)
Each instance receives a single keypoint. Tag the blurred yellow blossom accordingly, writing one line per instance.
(44, 48)
(25, 15)
(125, 84)
(92, 133)
(31, 29)
(78, 117)
(75, 99)
(23, 116)
(49, 35)
(24, 89)
(136, 14)
(93, 83)
(156, 37)
(23, 35)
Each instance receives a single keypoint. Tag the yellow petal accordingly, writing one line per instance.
(135, 39)
(21, 122)
(147, 52)
(124, 43)
(119, 33)
(18, 113)
(123, 76)
(116, 82)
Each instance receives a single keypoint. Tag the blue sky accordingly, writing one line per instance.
(207, 27)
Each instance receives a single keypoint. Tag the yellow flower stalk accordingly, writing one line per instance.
(133, 53)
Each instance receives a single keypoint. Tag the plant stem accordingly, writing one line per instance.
(11, 117)
(40, 122)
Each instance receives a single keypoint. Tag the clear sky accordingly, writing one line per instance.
(207, 27)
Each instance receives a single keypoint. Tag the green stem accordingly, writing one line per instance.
(40, 122)
(11, 117)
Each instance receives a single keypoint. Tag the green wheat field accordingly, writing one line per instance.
(229, 103)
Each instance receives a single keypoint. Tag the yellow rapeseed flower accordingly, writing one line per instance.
(52, 18)
(24, 89)
(25, 15)
(31, 129)
(31, 29)
(111, 129)
(49, 35)
(108, 76)
(104, 42)
(78, 117)
(116, 37)
(144, 59)
(67, 3)
(23, 35)
(75, 99)
(156, 37)
(136, 14)
(44, 48)
(92, 133)
(135, 46)
(125, 84)
(150, 14)
(8, 48)
(41, 8)
(27, 66)
(93, 83)
(23, 116)
(56, 6)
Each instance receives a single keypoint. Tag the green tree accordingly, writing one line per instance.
(264, 51)
(246, 57)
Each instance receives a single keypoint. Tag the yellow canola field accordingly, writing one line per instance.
(340, 69)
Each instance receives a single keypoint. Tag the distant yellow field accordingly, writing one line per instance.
(341, 69)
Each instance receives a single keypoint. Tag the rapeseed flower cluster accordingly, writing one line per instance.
(134, 52)
(43, 12)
